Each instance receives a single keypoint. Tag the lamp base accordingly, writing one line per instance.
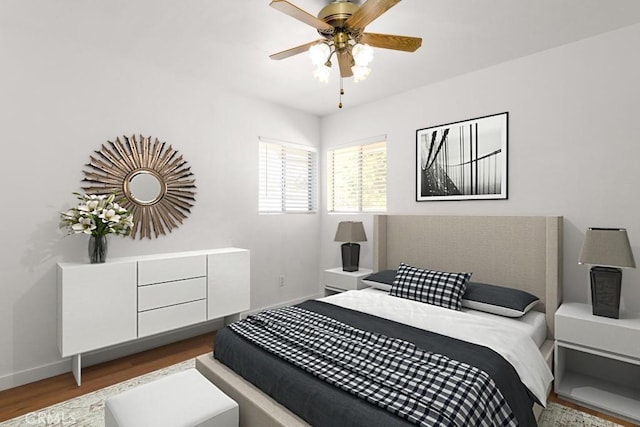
(350, 256)
(606, 284)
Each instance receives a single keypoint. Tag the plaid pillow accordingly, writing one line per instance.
(432, 287)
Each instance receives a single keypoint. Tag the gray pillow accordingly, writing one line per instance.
(499, 300)
(492, 299)
(381, 280)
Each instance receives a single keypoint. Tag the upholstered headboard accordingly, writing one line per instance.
(523, 252)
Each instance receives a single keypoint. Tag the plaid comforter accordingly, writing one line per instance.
(422, 387)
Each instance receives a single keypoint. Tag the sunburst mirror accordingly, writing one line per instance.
(151, 179)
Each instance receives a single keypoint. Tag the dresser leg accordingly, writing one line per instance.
(76, 367)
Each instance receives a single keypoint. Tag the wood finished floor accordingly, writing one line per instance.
(554, 398)
(38, 395)
(35, 396)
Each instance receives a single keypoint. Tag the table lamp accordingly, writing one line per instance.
(350, 232)
(607, 250)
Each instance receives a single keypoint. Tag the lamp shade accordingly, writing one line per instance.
(350, 231)
(607, 247)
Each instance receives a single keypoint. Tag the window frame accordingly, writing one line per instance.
(360, 149)
(286, 200)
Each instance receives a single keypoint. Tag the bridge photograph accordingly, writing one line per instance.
(463, 160)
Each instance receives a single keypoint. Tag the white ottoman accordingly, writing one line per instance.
(182, 399)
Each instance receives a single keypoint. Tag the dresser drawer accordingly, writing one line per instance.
(171, 293)
(172, 317)
(170, 269)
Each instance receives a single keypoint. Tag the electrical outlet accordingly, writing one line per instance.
(282, 280)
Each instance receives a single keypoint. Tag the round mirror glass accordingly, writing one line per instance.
(144, 187)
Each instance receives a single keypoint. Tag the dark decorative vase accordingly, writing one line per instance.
(97, 249)
(606, 285)
(350, 256)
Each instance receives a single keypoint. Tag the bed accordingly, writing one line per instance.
(521, 252)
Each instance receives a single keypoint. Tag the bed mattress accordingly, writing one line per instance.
(533, 323)
(322, 404)
(517, 347)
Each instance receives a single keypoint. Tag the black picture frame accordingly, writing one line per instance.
(464, 160)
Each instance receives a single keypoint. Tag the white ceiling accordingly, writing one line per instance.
(231, 40)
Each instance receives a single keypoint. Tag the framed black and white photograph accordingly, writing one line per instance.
(464, 160)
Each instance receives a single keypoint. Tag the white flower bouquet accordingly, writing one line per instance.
(97, 215)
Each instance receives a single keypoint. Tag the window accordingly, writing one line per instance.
(287, 178)
(357, 178)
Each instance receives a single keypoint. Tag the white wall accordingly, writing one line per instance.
(59, 101)
(574, 144)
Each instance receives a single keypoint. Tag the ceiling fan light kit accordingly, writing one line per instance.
(342, 24)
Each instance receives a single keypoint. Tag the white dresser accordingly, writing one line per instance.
(100, 305)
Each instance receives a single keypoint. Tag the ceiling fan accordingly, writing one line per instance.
(341, 24)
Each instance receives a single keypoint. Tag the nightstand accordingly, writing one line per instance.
(336, 280)
(597, 360)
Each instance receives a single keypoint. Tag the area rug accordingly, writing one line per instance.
(88, 410)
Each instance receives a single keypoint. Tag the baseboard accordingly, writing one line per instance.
(16, 379)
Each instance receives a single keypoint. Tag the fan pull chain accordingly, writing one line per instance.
(341, 93)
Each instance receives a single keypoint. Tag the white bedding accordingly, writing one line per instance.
(533, 323)
(515, 345)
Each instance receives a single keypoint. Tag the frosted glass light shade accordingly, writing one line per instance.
(319, 53)
(322, 73)
(362, 54)
(360, 73)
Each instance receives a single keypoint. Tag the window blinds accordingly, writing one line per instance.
(287, 178)
(357, 178)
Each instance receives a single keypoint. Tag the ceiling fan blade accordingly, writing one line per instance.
(295, 50)
(299, 14)
(390, 41)
(369, 11)
(344, 60)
